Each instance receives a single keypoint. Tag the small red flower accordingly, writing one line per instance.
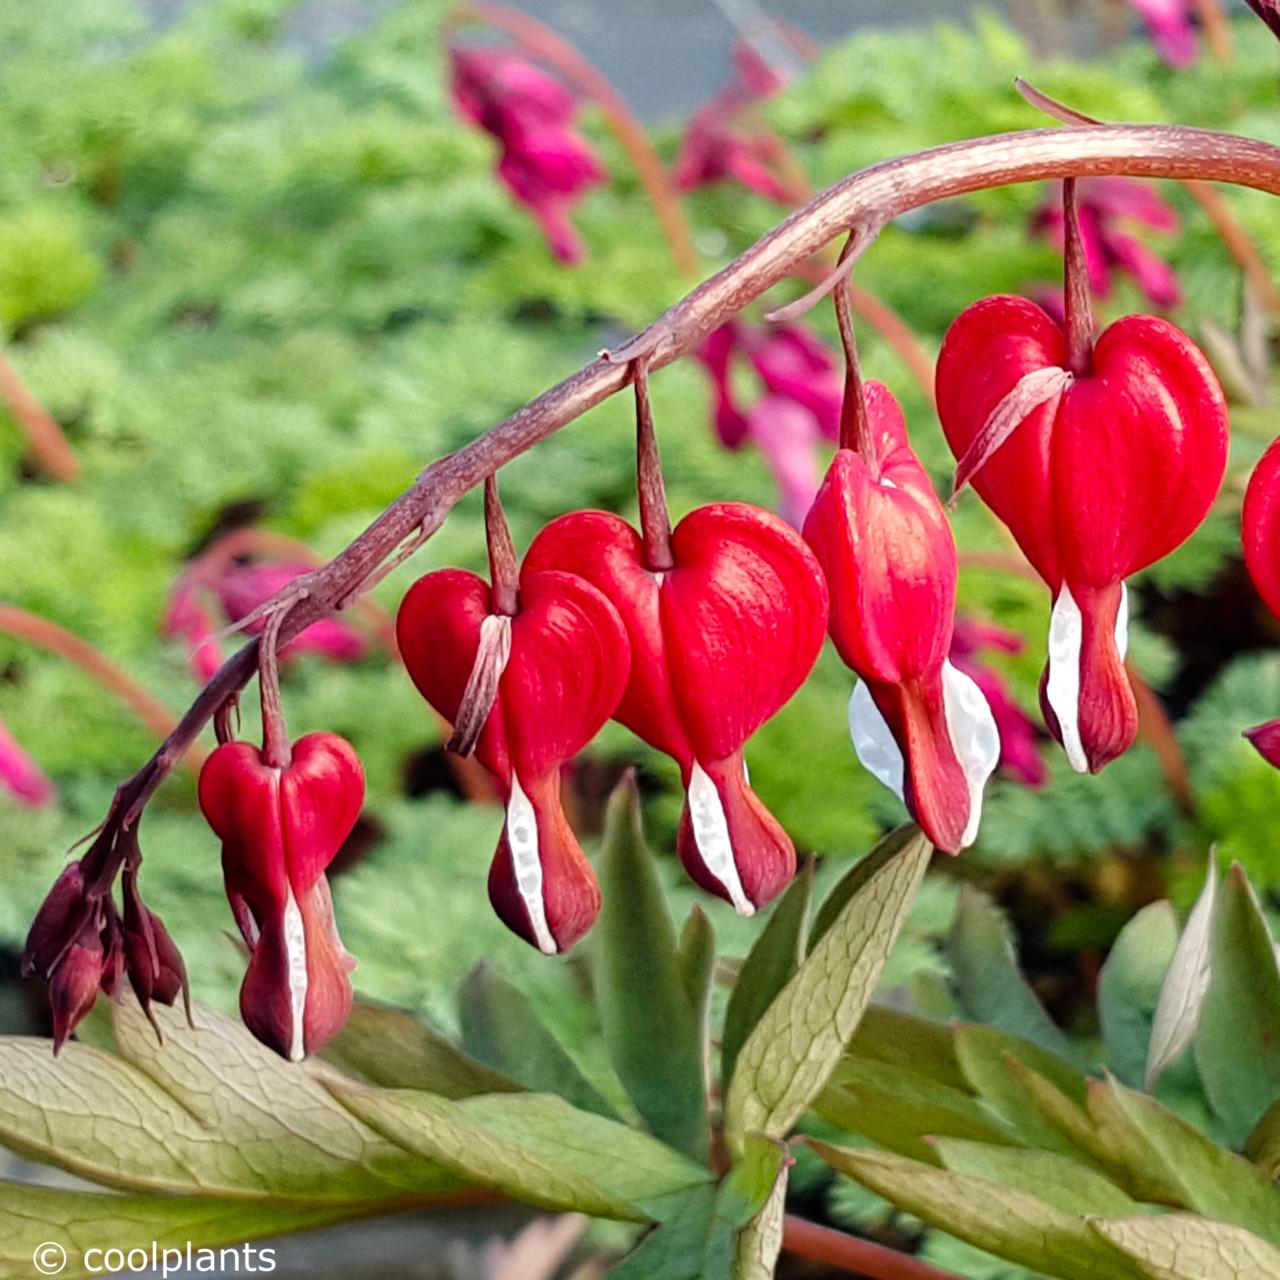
(918, 724)
(1097, 475)
(566, 668)
(719, 643)
(1260, 538)
(280, 828)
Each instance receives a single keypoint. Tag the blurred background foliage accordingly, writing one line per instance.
(254, 288)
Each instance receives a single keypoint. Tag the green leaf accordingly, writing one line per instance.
(696, 956)
(1238, 1048)
(1182, 994)
(988, 983)
(81, 1222)
(208, 1111)
(796, 1045)
(768, 967)
(392, 1048)
(905, 1040)
(759, 1242)
(1058, 1180)
(501, 1029)
(674, 1250)
(533, 1147)
(988, 1215)
(900, 1109)
(1182, 1246)
(650, 1027)
(849, 884)
(1263, 1145)
(985, 1054)
(1210, 1179)
(1129, 988)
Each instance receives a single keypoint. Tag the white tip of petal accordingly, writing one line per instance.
(295, 945)
(873, 743)
(974, 738)
(522, 841)
(711, 836)
(1066, 629)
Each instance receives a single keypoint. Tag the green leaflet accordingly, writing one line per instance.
(1181, 1246)
(533, 1147)
(1013, 1223)
(651, 1028)
(796, 1045)
(767, 968)
(392, 1048)
(906, 1040)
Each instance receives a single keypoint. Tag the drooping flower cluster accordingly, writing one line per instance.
(1097, 474)
(544, 161)
(798, 408)
(1107, 208)
(280, 827)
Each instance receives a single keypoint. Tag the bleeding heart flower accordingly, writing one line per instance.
(719, 643)
(1097, 476)
(1170, 27)
(920, 725)
(566, 668)
(544, 162)
(20, 776)
(1260, 538)
(1269, 12)
(280, 828)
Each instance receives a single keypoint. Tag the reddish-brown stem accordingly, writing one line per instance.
(553, 49)
(1076, 296)
(651, 489)
(872, 195)
(504, 569)
(52, 638)
(49, 446)
(855, 424)
(808, 1240)
(896, 333)
(1217, 30)
(277, 750)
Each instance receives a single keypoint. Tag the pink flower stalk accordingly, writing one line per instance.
(1106, 206)
(544, 161)
(720, 144)
(1170, 28)
(238, 590)
(20, 776)
(1019, 753)
(798, 410)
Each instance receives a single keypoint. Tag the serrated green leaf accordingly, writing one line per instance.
(988, 1215)
(795, 1046)
(80, 1222)
(392, 1048)
(1182, 1246)
(209, 1111)
(1129, 987)
(899, 1109)
(905, 1040)
(1236, 1050)
(501, 1030)
(650, 1027)
(767, 969)
(533, 1147)
(988, 983)
(1058, 1180)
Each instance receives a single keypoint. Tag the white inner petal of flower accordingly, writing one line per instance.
(295, 944)
(974, 738)
(873, 742)
(711, 835)
(1066, 630)
(522, 840)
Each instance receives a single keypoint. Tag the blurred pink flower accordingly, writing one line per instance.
(1171, 29)
(20, 776)
(237, 590)
(1019, 753)
(721, 144)
(544, 161)
(1106, 206)
(798, 408)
